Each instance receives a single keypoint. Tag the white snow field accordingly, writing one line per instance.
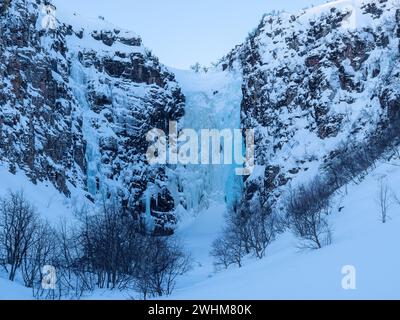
(13, 291)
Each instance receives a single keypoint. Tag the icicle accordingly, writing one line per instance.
(90, 135)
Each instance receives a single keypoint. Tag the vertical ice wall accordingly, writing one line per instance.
(213, 101)
(92, 154)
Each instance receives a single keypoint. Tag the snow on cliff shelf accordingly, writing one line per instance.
(355, 18)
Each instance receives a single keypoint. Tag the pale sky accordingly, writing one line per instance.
(182, 32)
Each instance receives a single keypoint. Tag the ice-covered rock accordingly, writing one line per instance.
(76, 104)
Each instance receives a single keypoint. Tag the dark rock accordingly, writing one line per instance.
(41, 124)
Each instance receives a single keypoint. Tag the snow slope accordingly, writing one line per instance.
(197, 234)
(48, 201)
(359, 240)
(13, 291)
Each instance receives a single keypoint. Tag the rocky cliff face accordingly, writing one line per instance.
(38, 118)
(326, 76)
(76, 104)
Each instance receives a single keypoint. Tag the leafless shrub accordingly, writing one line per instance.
(261, 225)
(106, 249)
(249, 230)
(40, 253)
(352, 160)
(228, 249)
(117, 250)
(162, 261)
(307, 209)
(383, 200)
(18, 223)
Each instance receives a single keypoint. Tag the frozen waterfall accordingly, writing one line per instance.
(213, 101)
(92, 154)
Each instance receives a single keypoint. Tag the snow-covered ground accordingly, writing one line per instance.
(48, 201)
(12, 290)
(197, 234)
(360, 239)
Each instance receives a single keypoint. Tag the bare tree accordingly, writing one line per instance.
(117, 249)
(40, 253)
(18, 223)
(307, 208)
(107, 248)
(73, 276)
(250, 229)
(162, 261)
(228, 249)
(383, 200)
(221, 253)
(260, 227)
(100, 237)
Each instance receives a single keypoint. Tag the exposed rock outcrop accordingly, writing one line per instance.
(77, 103)
(313, 80)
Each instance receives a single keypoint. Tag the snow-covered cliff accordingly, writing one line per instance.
(76, 104)
(313, 82)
